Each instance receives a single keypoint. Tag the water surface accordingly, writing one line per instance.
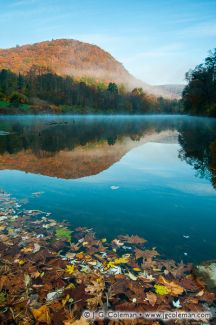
(153, 176)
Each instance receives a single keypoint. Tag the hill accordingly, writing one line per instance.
(174, 89)
(75, 58)
(81, 161)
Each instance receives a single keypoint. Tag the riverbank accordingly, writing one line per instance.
(27, 109)
(50, 274)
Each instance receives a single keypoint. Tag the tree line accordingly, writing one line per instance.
(199, 96)
(41, 89)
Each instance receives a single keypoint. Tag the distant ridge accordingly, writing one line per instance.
(72, 57)
(175, 89)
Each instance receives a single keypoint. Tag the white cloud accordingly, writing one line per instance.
(202, 189)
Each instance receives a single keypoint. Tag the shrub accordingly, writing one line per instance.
(17, 98)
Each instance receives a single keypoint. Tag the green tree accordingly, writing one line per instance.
(199, 96)
(17, 98)
(113, 88)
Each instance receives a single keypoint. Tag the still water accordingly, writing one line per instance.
(154, 176)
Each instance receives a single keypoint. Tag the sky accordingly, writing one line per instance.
(156, 40)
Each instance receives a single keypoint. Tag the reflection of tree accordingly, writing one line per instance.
(198, 147)
(213, 162)
(197, 137)
(48, 139)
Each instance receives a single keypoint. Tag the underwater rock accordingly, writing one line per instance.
(4, 132)
(207, 272)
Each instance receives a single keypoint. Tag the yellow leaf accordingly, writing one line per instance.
(121, 260)
(117, 261)
(161, 290)
(26, 250)
(88, 258)
(70, 286)
(85, 243)
(80, 255)
(65, 300)
(35, 275)
(70, 269)
(110, 265)
(137, 269)
(42, 315)
(21, 262)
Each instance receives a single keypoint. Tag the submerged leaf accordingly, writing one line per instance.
(161, 290)
(146, 254)
(63, 232)
(133, 239)
(174, 288)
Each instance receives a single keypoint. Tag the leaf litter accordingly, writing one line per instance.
(50, 274)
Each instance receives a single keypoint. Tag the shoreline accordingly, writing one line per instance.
(50, 274)
(51, 113)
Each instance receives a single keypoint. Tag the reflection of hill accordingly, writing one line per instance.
(80, 162)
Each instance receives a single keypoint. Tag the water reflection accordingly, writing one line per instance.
(150, 176)
(74, 147)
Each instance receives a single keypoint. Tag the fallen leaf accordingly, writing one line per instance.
(174, 288)
(147, 254)
(42, 314)
(81, 321)
(70, 269)
(151, 298)
(36, 248)
(131, 276)
(26, 250)
(133, 239)
(200, 293)
(161, 290)
(176, 304)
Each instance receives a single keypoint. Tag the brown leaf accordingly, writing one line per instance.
(95, 286)
(133, 239)
(189, 283)
(208, 296)
(138, 289)
(146, 254)
(151, 298)
(4, 282)
(81, 321)
(95, 301)
(191, 300)
(173, 287)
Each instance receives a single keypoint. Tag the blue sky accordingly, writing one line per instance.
(156, 40)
